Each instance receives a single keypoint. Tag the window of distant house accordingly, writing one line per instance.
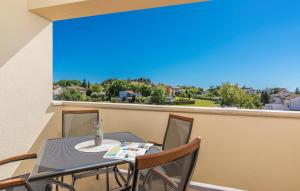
(213, 54)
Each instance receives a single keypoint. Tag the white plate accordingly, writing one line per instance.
(89, 146)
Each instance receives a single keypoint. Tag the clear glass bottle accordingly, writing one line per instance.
(99, 133)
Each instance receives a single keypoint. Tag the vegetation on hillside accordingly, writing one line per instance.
(225, 95)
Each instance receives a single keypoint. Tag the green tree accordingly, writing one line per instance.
(71, 94)
(199, 91)
(182, 94)
(189, 93)
(297, 91)
(66, 83)
(233, 95)
(158, 96)
(213, 91)
(95, 96)
(84, 84)
(108, 81)
(265, 97)
(88, 92)
(134, 86)
(113, 88)
(145, 90)
(252, 101)
(96, 88)
(142, 80)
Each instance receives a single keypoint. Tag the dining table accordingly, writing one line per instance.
(59, 157)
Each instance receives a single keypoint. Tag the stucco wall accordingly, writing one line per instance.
(25, 81)
(251, 153)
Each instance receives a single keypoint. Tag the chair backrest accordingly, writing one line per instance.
(79, 123)
(178, 131)
(169, 170)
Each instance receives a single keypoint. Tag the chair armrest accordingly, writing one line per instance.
(18, 158)
(12, 183)
(155, 143)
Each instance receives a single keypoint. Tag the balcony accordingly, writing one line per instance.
(241, 149)
(247, 150)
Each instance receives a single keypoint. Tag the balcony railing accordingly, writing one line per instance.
(243, 149)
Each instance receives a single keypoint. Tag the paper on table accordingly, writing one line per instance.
(128, 151)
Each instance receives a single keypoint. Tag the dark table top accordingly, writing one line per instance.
(58, 157)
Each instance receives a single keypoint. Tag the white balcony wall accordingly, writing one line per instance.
(247, 150)
(25, 81)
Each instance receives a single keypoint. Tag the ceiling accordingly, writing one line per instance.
(67, 9)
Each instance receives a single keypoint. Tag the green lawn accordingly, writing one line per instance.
(203, 103)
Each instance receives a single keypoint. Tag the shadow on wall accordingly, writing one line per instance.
(51, 130)
(18, 28)
(25, 93)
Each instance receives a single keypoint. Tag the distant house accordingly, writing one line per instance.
(168, 89)
(293, 102)
(285, 101)
(283, 90)
(249, 90)
(81, 89)
(176, 90)
(127, 95)
(56, 92)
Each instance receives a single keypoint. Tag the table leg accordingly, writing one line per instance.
(116, 176)
(117, 172)
(62, 184)
(129, 174)
(107, 179)
(56, 186)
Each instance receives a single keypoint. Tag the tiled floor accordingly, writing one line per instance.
(91, 184)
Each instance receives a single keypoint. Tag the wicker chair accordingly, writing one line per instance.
(153, 165)
(21, 183)
(82, 123)
(79, 122)
(178, 132)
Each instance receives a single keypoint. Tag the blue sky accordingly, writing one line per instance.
(254, 43)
